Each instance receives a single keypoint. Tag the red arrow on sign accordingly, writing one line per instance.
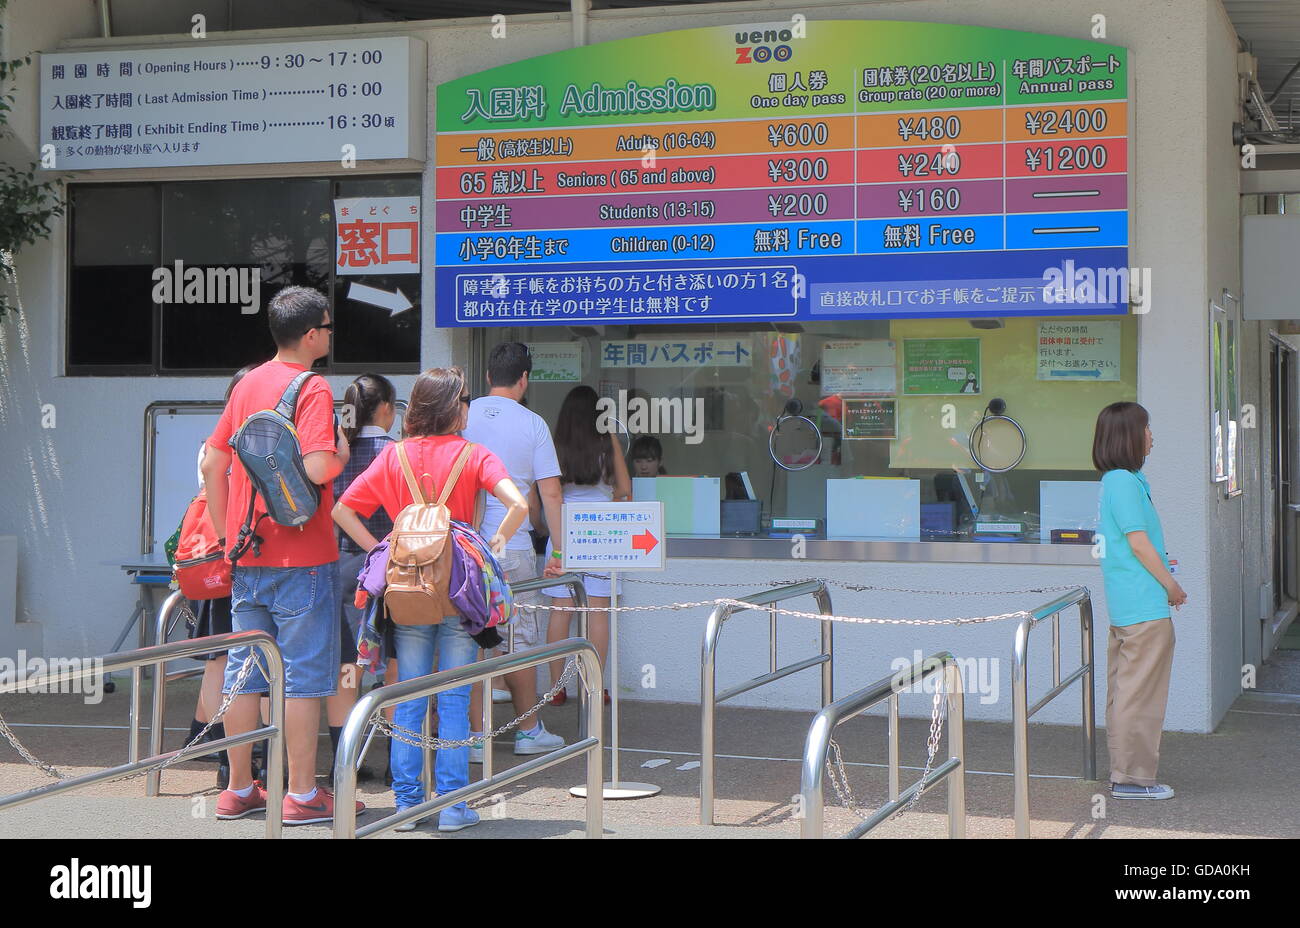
(644, 540)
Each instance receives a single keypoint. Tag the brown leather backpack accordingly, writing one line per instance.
(419, 551)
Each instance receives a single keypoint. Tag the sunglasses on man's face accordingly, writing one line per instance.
(327, 326)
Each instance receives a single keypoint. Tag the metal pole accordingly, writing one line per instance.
(771, 637)
(426, 766)
(708, 705)
(613, 677)
(592, 706)
(893, 745)
(956, 748)
(1088, 688)
(823, 598)
(1056, 649)
(1020, 727)
(814, 764)
(275, 744)
(153, 782)
(133, 750)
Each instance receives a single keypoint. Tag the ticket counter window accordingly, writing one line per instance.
(923, 429)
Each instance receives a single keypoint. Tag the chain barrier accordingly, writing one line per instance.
(240, 681)
(419, 740)
(840, 779)
(741, 604)
(860, 588)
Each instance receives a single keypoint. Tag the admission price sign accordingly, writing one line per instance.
(859, 169)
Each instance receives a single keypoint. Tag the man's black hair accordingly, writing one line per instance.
(293, 312)
(507, 363)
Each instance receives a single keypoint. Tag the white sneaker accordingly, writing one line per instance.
(539, 743)
(500, 696)
(476, 754)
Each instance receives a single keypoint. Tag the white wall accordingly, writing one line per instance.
(74, 497)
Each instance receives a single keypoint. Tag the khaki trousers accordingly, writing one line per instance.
(1138, 661)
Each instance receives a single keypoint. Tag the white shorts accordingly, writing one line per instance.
(519, 566)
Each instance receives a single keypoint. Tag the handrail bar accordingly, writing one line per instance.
(709, 697)
(578, 593)
(157, 654)
(162, 625)
(817, 747)
(345, 773)
(1021, 711)
(1065, 601)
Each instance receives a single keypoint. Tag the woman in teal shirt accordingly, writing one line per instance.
(1140, 589)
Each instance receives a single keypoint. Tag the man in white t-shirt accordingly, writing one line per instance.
(522, 440)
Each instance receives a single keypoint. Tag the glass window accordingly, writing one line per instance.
(283, 228)
(114, 250)
(796, 414)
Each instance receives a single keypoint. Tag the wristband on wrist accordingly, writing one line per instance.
(558, 555)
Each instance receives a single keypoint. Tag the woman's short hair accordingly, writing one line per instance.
(434, 406)
(1119, 442)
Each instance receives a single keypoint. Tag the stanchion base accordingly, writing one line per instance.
(620, 790)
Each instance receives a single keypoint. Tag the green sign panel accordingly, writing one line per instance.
(941, 366)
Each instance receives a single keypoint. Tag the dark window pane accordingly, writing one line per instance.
(370, 334)
(114, 251)
(283, 227)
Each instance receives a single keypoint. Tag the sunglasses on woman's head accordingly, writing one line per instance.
(465, 399)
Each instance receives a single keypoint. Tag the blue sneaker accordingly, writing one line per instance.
(1133, 791)
(456, 818)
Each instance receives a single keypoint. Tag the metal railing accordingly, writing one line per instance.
(168, 616)
(157, 654)
(1021, 712)
(710, 697)
(817, 745)
(345, 772)
(578, 593)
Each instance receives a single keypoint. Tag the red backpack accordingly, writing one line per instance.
(201, 568)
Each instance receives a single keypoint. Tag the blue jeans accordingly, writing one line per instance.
(300, 607)
(415, 650)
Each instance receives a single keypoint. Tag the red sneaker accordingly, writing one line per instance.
(319, 809)
(231, 805)
(560, 698)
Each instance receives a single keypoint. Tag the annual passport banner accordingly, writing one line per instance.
(855, 169)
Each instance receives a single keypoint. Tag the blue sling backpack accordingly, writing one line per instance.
(267, 446)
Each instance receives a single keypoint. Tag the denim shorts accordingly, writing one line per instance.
(300, 607)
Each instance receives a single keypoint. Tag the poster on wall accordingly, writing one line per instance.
(556, 362)
(377, 235)
(1088, 351)
(941, 366)
(861, 170)
(869, 418)
(859, 366)
(257, 103)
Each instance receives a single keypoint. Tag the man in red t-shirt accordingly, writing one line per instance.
(290, 587)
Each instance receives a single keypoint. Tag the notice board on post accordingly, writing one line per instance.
(860, 169)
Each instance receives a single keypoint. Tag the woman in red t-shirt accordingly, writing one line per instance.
(437, 411)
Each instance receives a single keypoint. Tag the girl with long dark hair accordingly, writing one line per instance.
(592, 469)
